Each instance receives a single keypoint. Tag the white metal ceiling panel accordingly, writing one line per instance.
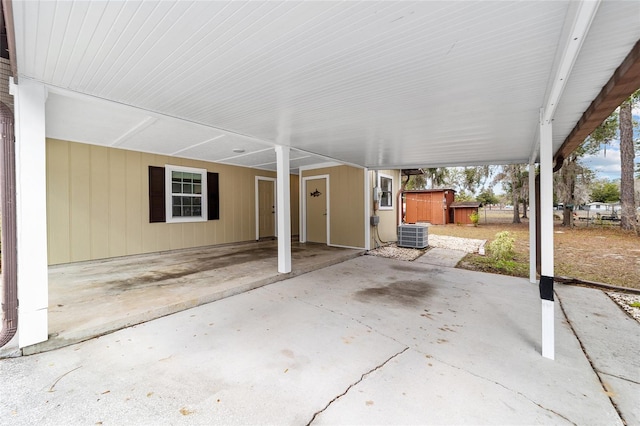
(222, 148)
(98, 123)
(168, 136)
(376, 84)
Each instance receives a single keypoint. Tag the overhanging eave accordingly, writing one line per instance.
(625, 81)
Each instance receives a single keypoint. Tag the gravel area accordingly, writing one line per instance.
(625, 301)
(467, 245)
(392, 251)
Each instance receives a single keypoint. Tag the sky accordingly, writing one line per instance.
(608, 165)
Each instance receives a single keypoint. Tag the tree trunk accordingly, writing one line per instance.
(516, 209)
(567, 187)
(524, 207)
(567, 217)
(627, 155)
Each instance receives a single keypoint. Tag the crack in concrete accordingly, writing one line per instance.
(448, 364)
(593, 367)
(499, 384)
(317, 413)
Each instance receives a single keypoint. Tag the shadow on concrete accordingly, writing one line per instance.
(89, 299)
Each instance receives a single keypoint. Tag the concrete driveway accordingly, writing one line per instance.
(367, 341)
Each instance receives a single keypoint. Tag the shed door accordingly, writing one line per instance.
(316, 206)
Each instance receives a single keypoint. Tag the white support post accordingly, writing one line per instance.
(532, 223)
(284, 209)
(546, 238)
(31, 211)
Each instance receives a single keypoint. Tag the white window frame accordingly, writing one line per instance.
(169, 169)
(379, 183)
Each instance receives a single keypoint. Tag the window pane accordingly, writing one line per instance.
(187, 206)
(186, 194)
(386, 184)
(386, 199)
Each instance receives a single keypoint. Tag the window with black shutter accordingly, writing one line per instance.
(182, 194)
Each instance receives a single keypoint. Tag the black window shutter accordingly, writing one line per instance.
(213, 197)
(157, 212)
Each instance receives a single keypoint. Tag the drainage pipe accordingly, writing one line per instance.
(8, 231)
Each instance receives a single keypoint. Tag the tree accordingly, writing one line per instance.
(573, 178)
(464, 196)
(437, 176)
(487, 197)
(470, 178)
(627, 156)
(604, 191)
(433, 177)
(515, 180)
(416, 182)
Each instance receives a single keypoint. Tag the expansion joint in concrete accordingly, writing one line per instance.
(355, 384)
(593, 367)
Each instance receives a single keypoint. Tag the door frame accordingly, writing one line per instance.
(257, 202)
(303, 210)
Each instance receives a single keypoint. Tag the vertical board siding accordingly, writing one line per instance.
(117, 203)
(80, 202)
(58, 217)
(461, 215)
(346, 204)
(98, 204)
(133, 196)
(429, 206)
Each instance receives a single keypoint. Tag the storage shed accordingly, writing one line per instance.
(428, 205)
(461, 211)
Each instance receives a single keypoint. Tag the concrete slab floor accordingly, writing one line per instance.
(88, 299)
(441, 257)
(367, 341)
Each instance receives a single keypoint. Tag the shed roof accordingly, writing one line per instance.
(427, 191)
(467, 204)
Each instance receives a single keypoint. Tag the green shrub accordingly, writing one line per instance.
(474, 218)
(501, 248)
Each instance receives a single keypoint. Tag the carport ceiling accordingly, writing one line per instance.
(376, 84)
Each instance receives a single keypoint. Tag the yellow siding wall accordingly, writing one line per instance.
(387, 229)
(98, 204)
(346, 204)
